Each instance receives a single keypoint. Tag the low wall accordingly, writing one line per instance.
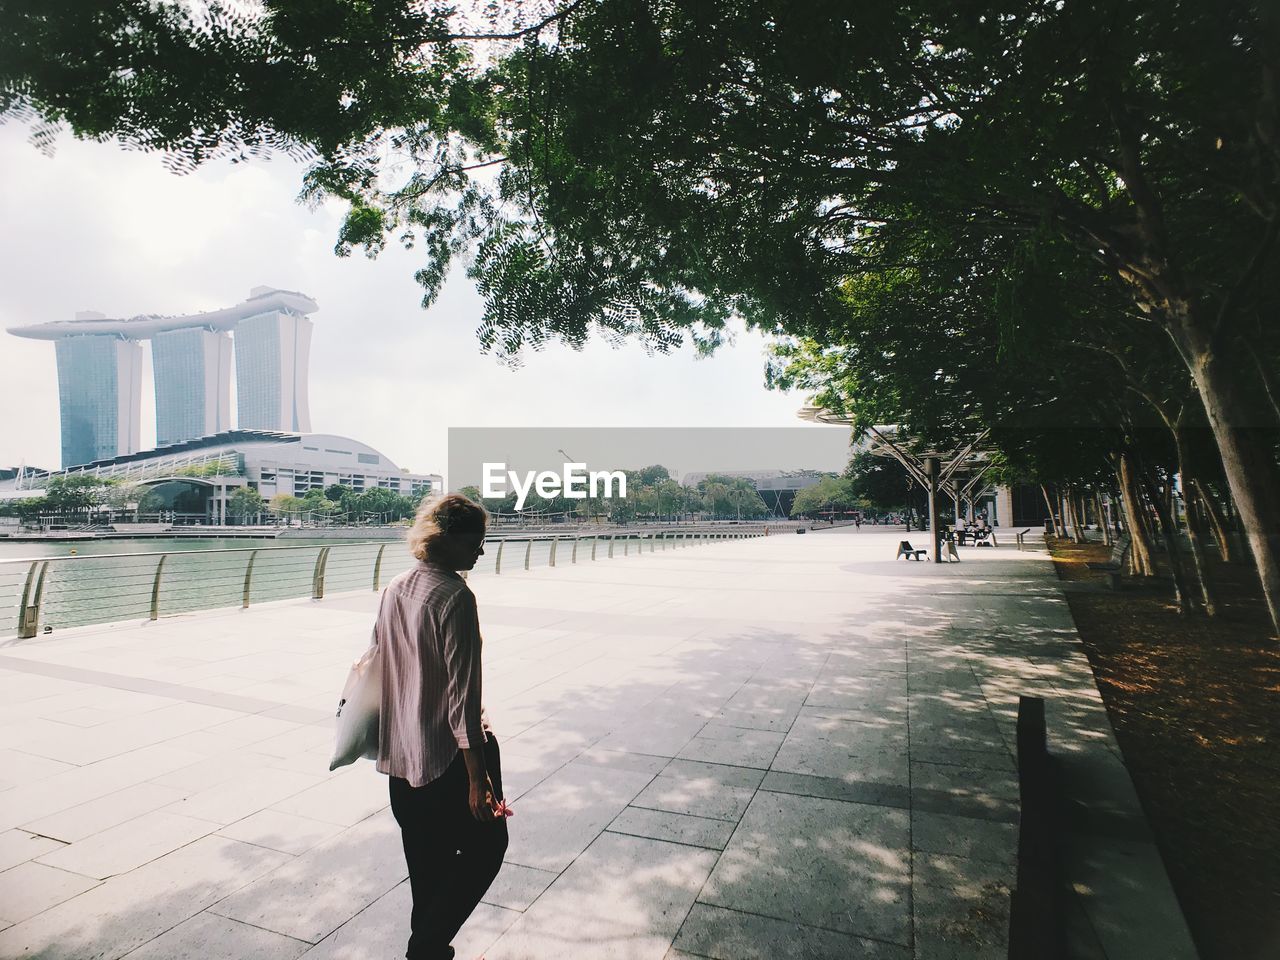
(343, 533)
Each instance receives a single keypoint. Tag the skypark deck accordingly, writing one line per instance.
(148, 325)
(787, 747)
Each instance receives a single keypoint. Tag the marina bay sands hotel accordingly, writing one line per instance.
(100, 373)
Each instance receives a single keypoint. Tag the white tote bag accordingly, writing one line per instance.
(357, 727)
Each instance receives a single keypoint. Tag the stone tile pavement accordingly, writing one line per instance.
(791, 747)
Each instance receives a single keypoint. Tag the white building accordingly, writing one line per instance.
(99, 396)
(192, 369)
(100, 369)
(271, 463)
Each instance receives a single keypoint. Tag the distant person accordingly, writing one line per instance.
(435, 743)
(857, 522)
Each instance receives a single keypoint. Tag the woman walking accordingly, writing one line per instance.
(434, 741)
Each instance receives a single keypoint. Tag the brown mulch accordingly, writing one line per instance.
(1195, 704)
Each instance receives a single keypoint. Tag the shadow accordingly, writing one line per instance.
(812, 740)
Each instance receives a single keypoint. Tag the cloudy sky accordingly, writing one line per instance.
(99, 228)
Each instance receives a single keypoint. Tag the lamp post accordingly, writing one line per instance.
(568, 459)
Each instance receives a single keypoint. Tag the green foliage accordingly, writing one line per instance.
(724, 497)
(661, 167)
(150, 501)
(829, 493)
(76, 493)
(27, 509)
(284, 505)
(880, 482)
(954, 218)
(221, 79)
(215, 469)
(387, 504)
(245, 503)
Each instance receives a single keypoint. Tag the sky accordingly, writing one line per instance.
(96, 227)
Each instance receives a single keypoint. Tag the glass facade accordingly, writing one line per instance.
(100, 369)
(271, 372)
(193, 383)
(99, 397)
(258, 387)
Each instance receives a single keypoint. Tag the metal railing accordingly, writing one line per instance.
(58, 592)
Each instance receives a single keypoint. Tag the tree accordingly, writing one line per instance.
(76, 494)
(386, 505)
(245, 503)
(316, 503)
(151, 501)
(27, 509)
(879, 481)
(285, 505)
(338, 492)
(724, 497)
(778, 148)
(121, 496)
(828, 494)
(663, 166)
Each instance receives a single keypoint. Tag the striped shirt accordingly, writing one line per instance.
(430, 636)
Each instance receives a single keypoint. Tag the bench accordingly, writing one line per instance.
(906, 550)
(1119, 550)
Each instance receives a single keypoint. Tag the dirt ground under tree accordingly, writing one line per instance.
(1196, 708)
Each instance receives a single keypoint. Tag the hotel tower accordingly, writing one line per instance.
(100, 373)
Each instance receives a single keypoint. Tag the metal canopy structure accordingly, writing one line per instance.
(959, 472)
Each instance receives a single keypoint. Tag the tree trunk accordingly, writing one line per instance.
(1199, 555)
(1195, 529)
(1269, 385)
(1048, 502)
(1103, 525)
(1139, 533)
(1133, 565)
(1073, 510)
(1221, 532)
(1169, 529)
(1247, 460)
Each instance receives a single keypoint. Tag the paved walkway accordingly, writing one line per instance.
(790, 747)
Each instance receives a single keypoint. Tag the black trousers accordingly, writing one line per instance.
(452, 856)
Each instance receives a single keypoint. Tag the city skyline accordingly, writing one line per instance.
(100, 369)
(95, 226)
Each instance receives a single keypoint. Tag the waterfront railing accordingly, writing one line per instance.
(43, 594)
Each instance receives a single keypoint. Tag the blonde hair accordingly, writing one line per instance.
(442, 517)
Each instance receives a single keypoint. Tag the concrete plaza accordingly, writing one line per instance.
(789, 747)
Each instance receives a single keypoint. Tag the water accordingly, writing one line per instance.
(110, 580)
(105, 581)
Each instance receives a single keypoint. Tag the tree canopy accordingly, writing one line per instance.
(1054, 221)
